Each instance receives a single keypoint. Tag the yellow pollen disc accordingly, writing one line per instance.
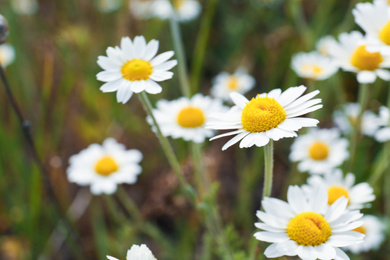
(106, 166)
(262, 114)
(232, 83)
(137, 70)
(178, 3)
(364, 60)
(312, 69)
(384, 34)
(191, 117)
(319, 151)
(309, 229)
(335, 192)
(360, 229)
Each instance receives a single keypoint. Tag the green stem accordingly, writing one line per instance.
(268, 166)
(363, 100)
(167, 148)
(201, 45)
(181, 58)
(199, 169)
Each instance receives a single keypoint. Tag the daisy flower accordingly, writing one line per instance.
(7, 55)
(185, 118)
(358, 195)
(224, 83)
(108, 6)
(267, 116)
(142, 9)
(325, 44)
(313, 65)
(383, 132)
(307, 226)
(137, 252)
(25, 7)
(104, 166)
(319, 151)
(185, 10)
(373, 228)
(345, 118)
(133, 67)
(351, 54)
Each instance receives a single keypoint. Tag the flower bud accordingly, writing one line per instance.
(4, 30)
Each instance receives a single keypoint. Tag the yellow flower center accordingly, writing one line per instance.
(319, 151)
(178, 3)
(360, 229)
(262, 114)
(364, 60)
(312, 69)
(191, 117)
(309, 229)
(137, 70)
(384, 34)
(335, 192)
(106, 166)
(232, 83)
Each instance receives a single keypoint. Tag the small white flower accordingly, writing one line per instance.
(346, 117)
(351, 54)
(133, 67)
(325, 44)
(313, 65)
(383, 133)
(319, 151)
(373, 228)
(185, 10)
(307, 226)
(185, 118)
(104, 166)
(107, 6)
(142, 9)
(358, 195)
(272, 115)
(7, 54)
(137, 252)
(25, 7)
(225, 83)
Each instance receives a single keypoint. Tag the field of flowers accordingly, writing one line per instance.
(194, 129)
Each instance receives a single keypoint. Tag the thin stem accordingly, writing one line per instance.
(181, 64)
(268, 166)
(199, 169)
(363, 95)
(167, 148)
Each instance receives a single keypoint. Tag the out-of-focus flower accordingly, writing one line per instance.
(4, 30)
(137, 252)
(319, 151)
(142, 9)
(345, 118)
(25, 7)
(351, 54)
(7, 55)
(104, 166)
(185, 10)
(383, 132)
(373, 228)
(272, 115)
(185, 118)
(133, 67)
(224, 83)
(307, 226)
(313, 65)
(358, 195)
(325, 44)
(107, 6)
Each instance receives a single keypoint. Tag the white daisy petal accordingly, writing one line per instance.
(163, 57)
(272, 251)
(152, 87)
(151, 50)
(234, 140)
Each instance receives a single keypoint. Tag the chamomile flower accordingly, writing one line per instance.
(137, 252)
(25, 7)
(373, 228)
(313, 65)
(104, 166)
(224, 83)
(267, 116)
(383, 132)
(133, 67)
(142, 9)
(185, 10)
(325, 44)
(358, 195)
(185, 118)
(7, 54)
(307, 226)
(345, 118)
(351, 54)
(107, 6)
(319, 151)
